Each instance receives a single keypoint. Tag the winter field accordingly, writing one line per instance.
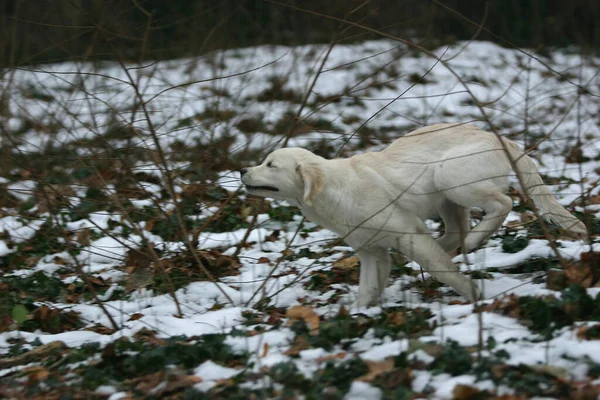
(133, 265)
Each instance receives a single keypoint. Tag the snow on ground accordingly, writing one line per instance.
(520, 96)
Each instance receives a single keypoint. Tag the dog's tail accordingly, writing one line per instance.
(549, 208)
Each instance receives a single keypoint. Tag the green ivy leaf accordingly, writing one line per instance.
(20, 313)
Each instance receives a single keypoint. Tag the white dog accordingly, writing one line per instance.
(379, 200)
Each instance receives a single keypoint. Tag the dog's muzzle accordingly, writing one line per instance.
(252, 188)
(267, 188)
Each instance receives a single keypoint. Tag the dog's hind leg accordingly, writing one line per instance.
(375, 266)
(424, 250)
(456, 225)
(496, 206)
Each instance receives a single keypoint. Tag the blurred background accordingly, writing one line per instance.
(46, 31)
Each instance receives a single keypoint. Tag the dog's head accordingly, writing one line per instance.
(286, 174)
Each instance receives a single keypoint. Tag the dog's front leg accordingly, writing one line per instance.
(375, 268)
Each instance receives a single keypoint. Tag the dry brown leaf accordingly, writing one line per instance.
(225, 382)
(515, 224)
(591, 257)
(37, 374)
(575, 155)
(273, 236)
(83, 237)
(465, 392)
(507, 305)
(347, 263)
(308, 315)
(149, 383)
(397, 318)
(377, 368)
(216, 307)
(33, 355)
(54, 320)
(594, 199)
(216, 261)
(98, 281)
(101, 329)
(181, 382)
(135, 316)
(498, 370)
(149, 225)
(138, 258)
(299, 345)
(586, 392)
(275, 317)
(265, 350)
(148, 336)
(43, 312)
(556, 279)
(394, 378)
(591, 260)
(343, 312)
(138, 267)
(589, 332)
(51, 196)
(337, 356)
(580, 273)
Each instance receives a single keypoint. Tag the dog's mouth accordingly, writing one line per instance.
(267, 188)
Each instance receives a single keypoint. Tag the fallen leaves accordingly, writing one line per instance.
(265, 350)
(347, 263)
(135, 316)
(43, 351)
(377, 368)
(465, 392)
(397, 318)
(159, 383)
(580, 274)
(556, 279)
(345, 270)
(50, 197)
(144, 270)
(54, 320)
(507, 305)
(101, 329)
(331, 357)
(587, 272)
(300, 344)
(589, 332)
(306, 314)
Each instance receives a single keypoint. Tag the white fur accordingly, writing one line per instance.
(380, 200)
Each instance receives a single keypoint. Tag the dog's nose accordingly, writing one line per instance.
(243, 171)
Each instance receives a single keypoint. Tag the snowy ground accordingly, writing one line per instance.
(87, 211)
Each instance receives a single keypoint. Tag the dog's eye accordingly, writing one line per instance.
(270, 165)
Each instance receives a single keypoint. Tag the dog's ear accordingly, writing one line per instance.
(312, 179)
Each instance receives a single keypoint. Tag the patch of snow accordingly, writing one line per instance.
(211, 373)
